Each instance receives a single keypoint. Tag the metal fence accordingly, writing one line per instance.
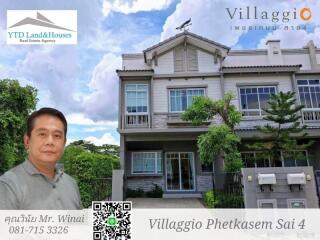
(229, 190)
(101, 189)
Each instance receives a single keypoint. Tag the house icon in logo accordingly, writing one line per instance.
(41, 21)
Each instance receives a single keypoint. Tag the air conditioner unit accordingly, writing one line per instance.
(267, 179)
(296, 178)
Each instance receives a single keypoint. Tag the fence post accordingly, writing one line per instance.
(117, 185)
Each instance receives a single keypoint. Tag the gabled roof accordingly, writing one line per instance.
(189, 37)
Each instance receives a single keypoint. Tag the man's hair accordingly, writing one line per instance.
(45, 111)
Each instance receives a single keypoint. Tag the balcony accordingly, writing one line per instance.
(174, 119)
(311, 114)
(139, 120)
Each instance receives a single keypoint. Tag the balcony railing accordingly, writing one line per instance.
(311, 115)
(137, 120)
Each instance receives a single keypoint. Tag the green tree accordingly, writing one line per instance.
(283, 128)
(219, 139)
(92, 170)
(16, 103)
(204, 109)
(104, 149)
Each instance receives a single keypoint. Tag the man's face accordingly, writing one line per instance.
(47, 140)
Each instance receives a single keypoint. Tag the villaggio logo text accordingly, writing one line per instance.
(41, 27)
(261, 19)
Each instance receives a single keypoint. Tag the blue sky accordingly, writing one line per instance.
(80, 80)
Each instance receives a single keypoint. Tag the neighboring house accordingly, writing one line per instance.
(157, 147)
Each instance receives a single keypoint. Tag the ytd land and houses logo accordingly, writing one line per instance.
(41, 27)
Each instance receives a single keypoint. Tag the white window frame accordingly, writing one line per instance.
(193, 169)
(293, 200)
(126, 98)
(307, 85)
(254, 110)
(156, 163)
(179, 89)
(262, 201)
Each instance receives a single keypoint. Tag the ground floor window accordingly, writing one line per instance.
(295, 158)
(146, 162)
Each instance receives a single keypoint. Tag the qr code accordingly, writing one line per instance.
(111, 220)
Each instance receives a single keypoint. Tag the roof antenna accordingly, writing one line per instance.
(183, 26)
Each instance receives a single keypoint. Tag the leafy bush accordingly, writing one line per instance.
(208, 199)
(218, 199)
(155, 192)
(228, 200)
(135, 193)
(90, 171)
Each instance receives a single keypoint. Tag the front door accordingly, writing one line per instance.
(180, 171)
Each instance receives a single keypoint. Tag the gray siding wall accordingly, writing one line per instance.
(145, 183)
(281, 191)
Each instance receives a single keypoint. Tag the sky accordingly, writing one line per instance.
(80, 80)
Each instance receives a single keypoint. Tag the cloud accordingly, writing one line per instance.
(134, 6)
(4, 72)
(107, 138)
(292, 38)
(53, 70)
(95, 129)
(102, 103)
(211, 19)
(149, 41)
(80, 119)
(103, 40)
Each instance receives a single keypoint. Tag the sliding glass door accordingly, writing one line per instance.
(180, 171)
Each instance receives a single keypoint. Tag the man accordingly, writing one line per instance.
(37, 183)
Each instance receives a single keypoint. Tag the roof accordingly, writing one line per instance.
(190, 38)
(261, 68)
(135, 72)
(186, 33)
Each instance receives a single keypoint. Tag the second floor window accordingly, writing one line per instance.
(309, 93)
(254, 99)
(136, 98)
(181, 99)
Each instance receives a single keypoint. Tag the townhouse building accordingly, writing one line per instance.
(157, 85)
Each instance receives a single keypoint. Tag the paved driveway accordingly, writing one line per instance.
(166, 203)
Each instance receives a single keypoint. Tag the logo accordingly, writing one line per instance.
(41, 27)
(268, 19)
